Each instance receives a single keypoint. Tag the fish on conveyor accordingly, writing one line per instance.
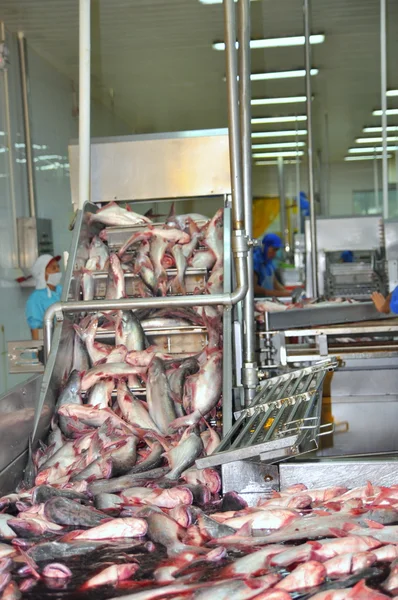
(106, 371)
(42, 493)
(169, 498)
(112, 575)
(304, 577)
(203, 391)
(114, 215)
(56, 550)
(101, 394)
(183, 456)
(208, 477)
(164, 530)
(157, 251)
(153, 459)
(56, 571)
(88, 285)
(115, 287)
(117, 484)
(159, 397)
(177, 285)
(179, 374)
(81, 359)
(68, 512)
(390, 585)
(134, 410)
(129, 332)
(346, 564)
(214, 236)
(113, 529)
(96, 350)
(98, 255)
(203, 259)
(94, 417)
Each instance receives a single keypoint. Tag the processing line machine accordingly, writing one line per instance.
(286, 417)
(365, 238)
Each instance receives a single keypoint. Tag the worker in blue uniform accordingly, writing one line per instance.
(388, 304)
(265, 281)
(47, 276)
(347, 256)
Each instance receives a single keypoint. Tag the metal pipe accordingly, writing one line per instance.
(376, 181)
(84, 100)
(383, 70)
(282, 205)
(233, 113)
(10, 149)
(298, 186)
(26, 121)
(249, 366)
(239, 248)
(310, 145)
(326, 172)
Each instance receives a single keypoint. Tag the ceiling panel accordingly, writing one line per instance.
(157, 57)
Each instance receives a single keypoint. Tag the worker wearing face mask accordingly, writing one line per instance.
(47, 275)
(265, 280)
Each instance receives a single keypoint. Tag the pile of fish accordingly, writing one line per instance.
(151, 250)
(166, 534)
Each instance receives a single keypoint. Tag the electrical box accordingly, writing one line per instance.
(35, 237)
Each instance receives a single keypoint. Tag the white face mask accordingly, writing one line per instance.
(54, 279)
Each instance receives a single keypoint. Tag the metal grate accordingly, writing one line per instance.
(283, 420)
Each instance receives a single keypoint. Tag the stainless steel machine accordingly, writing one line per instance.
(365, 238)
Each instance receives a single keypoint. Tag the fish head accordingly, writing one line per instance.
(57, 571)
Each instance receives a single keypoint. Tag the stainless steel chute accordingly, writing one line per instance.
(283, 420)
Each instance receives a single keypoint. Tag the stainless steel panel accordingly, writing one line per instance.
(346, 233)
(173, 165)
(361, 427)
(329, 315)
(391, 237)
(252, 480)
(364, 382)
(12, 474)
(349, 473)
(17, 408)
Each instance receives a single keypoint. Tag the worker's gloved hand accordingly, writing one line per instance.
(298, 294)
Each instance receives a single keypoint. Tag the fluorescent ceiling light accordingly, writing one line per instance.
(389, 111)
(287, 100)
(280, 145)
(375, 140)
(267, 163)
(281, 74)
(296, 40)
(277, 154)
(378, 157)
(380, 129)
(371, 150)
(290, 119)
(392, 93)
(214, 1)
(284, 133)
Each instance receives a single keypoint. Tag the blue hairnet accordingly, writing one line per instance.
(347, 256)
(271, 240)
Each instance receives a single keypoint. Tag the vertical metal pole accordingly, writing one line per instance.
(233, 114)
(249, 367)
(26, 121)
(326, 163)
(383, 70)
(298, 187)
(84, 100)
(311, 189)
(396, 178)
(376, 181)
(282, 205)
(10, 152)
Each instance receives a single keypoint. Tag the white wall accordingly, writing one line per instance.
(52, 126)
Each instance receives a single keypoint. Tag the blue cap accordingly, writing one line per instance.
(271, 240)
(394, 301)
(347, 256)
